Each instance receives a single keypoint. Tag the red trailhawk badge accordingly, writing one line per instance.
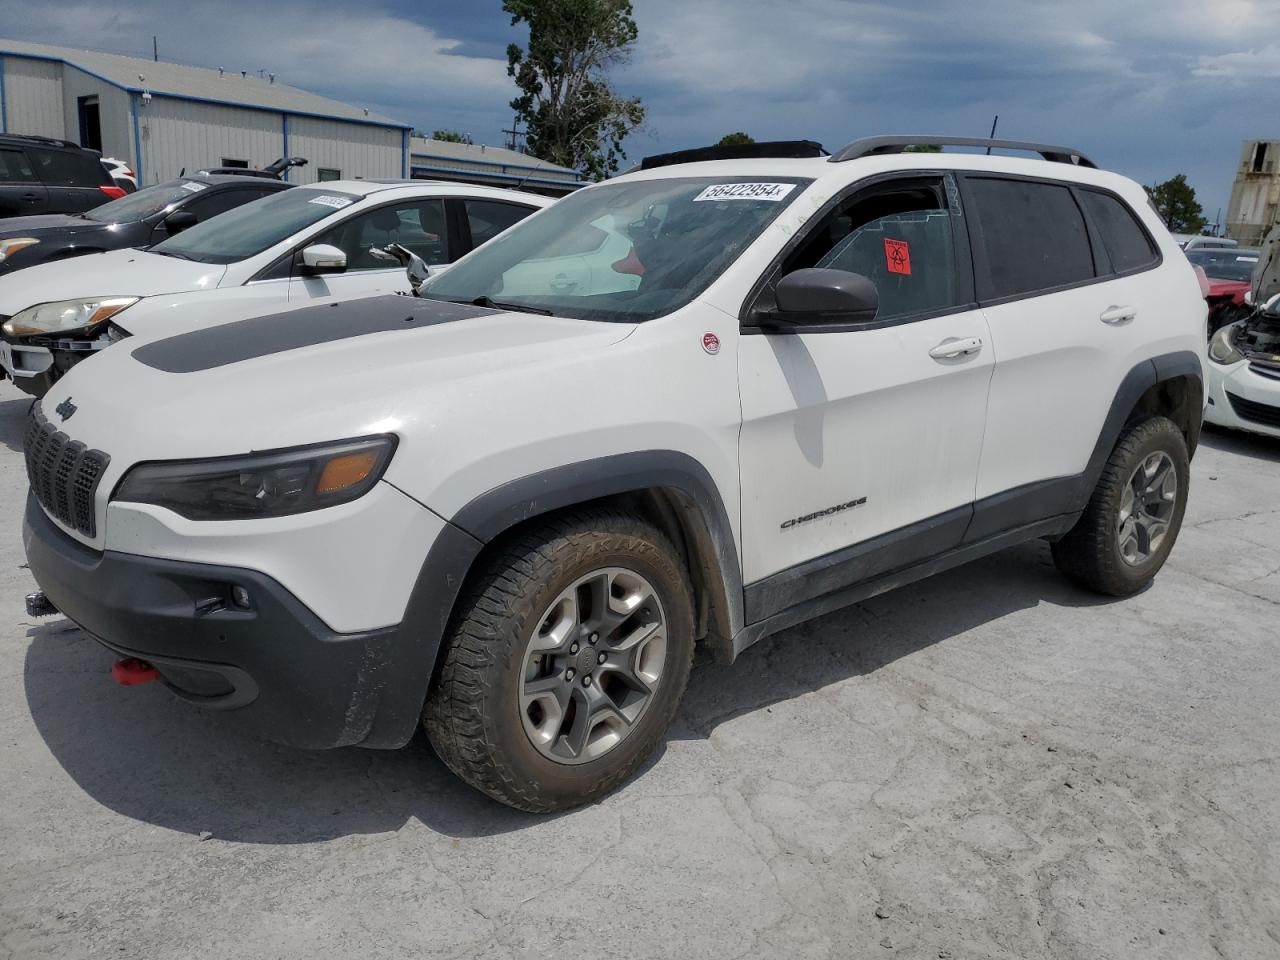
(710, 343)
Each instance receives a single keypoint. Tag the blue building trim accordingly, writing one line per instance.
(209, 100)
(135, 108)
(284, 148)
(4, 111)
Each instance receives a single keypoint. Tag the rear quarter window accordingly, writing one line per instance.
(1127, 243)
(1033, 234)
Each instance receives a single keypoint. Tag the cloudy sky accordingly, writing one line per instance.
(1147, 87)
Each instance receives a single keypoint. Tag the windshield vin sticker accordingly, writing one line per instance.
(193, 186)
(336, 202)
(746, 191)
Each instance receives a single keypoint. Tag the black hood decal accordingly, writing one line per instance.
(278, 332)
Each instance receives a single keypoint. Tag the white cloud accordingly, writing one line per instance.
(1248, 66)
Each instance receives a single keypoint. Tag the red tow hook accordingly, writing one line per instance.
(131, 671)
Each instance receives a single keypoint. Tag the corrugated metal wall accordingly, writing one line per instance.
(355, 149)
(113, 112)
(33, 98)
(178, 134)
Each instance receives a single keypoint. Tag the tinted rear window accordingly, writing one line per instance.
(1034, 234)
(1127, 243)
(68, 168)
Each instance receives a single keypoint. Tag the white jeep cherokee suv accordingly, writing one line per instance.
(510, 508)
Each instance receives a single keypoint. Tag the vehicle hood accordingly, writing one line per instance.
(58, 223)
(117, 273)
(392, 364)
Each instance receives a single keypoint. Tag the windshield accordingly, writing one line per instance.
(140, 205)
(1226, 264)
(248, 230)
(624, 251)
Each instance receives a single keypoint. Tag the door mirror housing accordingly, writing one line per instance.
(322, 258)
(821, 297)
(180, 220)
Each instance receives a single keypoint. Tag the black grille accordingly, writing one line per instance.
(1254, 412)
(64, 474)
(1263, 369)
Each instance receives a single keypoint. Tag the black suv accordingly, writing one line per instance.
(137, 220)
(40, 175)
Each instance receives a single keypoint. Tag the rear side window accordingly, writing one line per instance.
(1034, 234)
(488, 218)
(68, 168)
(1127, 243)
(15, 168)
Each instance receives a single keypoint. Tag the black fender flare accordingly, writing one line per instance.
(452, 555)
(1140, 379)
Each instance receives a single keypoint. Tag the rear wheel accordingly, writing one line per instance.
(1133, 518)
(565, 662)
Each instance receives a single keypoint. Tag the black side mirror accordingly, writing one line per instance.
(180, 220)
(821, 297)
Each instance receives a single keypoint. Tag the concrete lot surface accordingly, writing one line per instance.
(989, 764)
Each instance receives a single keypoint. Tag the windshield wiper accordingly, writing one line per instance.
(493, 304)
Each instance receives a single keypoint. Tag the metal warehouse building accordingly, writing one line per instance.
(495, 166)
(164, 117)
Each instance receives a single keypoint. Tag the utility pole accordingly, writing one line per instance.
(513, 134)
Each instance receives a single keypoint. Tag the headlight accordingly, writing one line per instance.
(1222, 350)
(65, 316)
(9, 247)
(273, 484)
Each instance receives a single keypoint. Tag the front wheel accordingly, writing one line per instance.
(565, 662)
(1132, 520)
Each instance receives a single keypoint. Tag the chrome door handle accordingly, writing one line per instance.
(956, 347)
(1114, 316)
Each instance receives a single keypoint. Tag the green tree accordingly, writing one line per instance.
(572, 115)
(451, 136)
(738, 138)
(923, 148)
(1175, 201)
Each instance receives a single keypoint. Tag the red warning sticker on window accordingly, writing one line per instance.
(897, 256)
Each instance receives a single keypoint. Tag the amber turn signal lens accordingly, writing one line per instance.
(346, 471)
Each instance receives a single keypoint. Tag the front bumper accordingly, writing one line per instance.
(1260, 410)
(274, 667)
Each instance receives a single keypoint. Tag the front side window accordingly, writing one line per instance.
(248, 230)
(1127, 243)
(418, 225)
(1034, 235)
(627, 251)
(16, 168)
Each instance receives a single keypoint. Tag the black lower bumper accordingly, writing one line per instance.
(273, 666)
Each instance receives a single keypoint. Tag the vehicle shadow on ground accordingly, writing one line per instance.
(145, 755)
(13, 420)
(1238, 442)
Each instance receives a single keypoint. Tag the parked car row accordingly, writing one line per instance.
(698, 403)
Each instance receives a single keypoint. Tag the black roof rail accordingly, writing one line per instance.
(32, 138)
(875, 146)
(791, 149)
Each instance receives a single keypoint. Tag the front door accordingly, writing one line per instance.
(859, 449)
(417, 224)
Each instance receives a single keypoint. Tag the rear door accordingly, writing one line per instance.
(21, 192)
(416, 223)
(1066, 324)
(74, 178)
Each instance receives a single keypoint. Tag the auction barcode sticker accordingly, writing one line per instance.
(336, 202)
(746, 191)
(193, 187)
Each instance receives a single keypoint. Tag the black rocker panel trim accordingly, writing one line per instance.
(243, 340)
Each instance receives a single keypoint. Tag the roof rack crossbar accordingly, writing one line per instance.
(874, 146)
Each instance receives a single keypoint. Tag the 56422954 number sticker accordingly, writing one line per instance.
(746, 191)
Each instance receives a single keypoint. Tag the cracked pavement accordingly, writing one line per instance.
(990, 764)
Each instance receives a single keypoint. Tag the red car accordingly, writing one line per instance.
(1229, 275)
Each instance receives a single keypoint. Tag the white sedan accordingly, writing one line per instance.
(293, 247)
(1243, 373)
